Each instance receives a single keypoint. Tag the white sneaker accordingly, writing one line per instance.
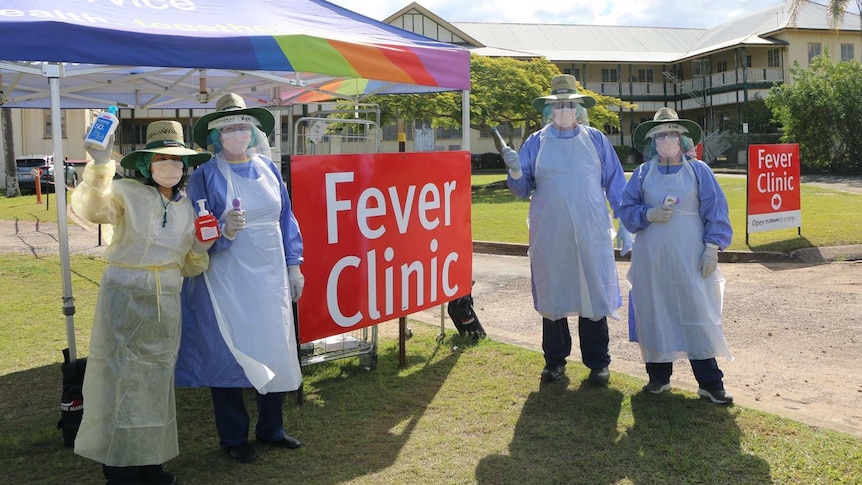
(718, 396)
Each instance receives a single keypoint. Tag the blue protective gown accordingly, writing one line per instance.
(675, 313)
(568, 174)
(204, 358)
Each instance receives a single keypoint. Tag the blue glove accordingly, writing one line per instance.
(296, 280)
(513, 162)
(624, 239)
(709, 260)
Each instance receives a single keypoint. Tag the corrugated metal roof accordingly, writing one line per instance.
(597, 43)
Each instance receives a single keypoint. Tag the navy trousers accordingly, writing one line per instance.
(232, 421)
(593, 336)
(705, 371)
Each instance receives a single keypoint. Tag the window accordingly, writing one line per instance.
(847, 52)
(699, 67)
(390, 132)
(747, 61)
(611, 130)
(813, 50)
(609, 76)
(48, 127)
(721, 66)
(645, 76)
(773, 58)
(577, 73)
(139, 134)
(441, 132)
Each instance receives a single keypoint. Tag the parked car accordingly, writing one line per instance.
(26, 180)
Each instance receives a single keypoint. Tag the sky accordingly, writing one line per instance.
(658, 13)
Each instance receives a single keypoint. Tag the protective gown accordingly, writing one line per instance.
(569, 174)
(129, 409)
(676, 313)
(237, 316)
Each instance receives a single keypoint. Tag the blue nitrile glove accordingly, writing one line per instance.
(625, 239)
(513, 162)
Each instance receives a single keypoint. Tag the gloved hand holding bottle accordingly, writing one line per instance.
(202, 247)
(513, 162)
(296, 281)
(102, 156)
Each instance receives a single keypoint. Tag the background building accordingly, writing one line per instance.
(708, 75)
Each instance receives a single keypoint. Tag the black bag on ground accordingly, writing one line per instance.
(72, 399)
(464, 317)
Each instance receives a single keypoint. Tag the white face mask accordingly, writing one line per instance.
(564, 117)
(667, 148)
(167, 173)
(235, 142)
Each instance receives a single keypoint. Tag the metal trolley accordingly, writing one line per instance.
(319, 134)
(361, 343)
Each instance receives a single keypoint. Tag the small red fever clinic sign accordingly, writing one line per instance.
(774, 194)
(385, 235)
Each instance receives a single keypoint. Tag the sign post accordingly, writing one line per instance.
(37, 175)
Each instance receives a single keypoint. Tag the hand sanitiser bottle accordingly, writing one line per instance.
(206, 225)
(102, 129)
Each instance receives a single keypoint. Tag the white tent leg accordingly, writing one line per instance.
(54, 72)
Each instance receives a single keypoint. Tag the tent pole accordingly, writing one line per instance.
(53, 72)
(465, 119)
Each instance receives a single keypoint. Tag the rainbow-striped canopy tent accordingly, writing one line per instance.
(152, 54)
(184, 53)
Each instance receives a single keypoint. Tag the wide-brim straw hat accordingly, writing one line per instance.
(665, 119)
(228, 105)
(564, 88)
(165, 137)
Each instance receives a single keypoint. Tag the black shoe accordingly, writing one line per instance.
(155, 475)
(599, 377)
(657, 387)
(288, 442)
(553, 373)
(718, 396)
(243, 453)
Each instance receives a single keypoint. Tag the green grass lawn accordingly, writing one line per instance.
(829, 217)
(472, 415)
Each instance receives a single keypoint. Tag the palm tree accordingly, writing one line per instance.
(835, 10)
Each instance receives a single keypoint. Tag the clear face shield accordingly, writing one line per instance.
(664, 143)
(565, 114)
(237, 137)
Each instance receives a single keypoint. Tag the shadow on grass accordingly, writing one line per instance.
(664, 445)
(353, 423)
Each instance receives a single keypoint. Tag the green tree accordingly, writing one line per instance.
(502, 91)
(822, 111)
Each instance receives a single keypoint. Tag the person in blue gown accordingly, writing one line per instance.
(679, 215)
(570, 172)
(238, 329)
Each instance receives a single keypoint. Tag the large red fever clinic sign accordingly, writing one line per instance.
(385, 235)
(774, 200)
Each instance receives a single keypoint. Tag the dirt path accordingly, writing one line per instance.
(795, 330)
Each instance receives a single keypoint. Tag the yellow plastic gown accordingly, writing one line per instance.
(129, 407)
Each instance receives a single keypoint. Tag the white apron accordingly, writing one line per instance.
(249, 289)
(677, 311)
(571, 246)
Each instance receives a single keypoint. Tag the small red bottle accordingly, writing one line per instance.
(206, 225)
